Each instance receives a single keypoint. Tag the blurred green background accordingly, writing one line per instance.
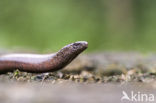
(126, 25)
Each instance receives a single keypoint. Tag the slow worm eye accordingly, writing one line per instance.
(76, 44)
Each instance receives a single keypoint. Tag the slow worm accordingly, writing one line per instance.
(36, 63)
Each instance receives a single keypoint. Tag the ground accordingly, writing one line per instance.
(94, 77)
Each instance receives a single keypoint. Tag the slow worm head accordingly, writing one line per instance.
(36, 63)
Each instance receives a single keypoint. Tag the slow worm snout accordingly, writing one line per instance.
(36, 63)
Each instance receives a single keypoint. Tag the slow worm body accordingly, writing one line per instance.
(36, 63)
